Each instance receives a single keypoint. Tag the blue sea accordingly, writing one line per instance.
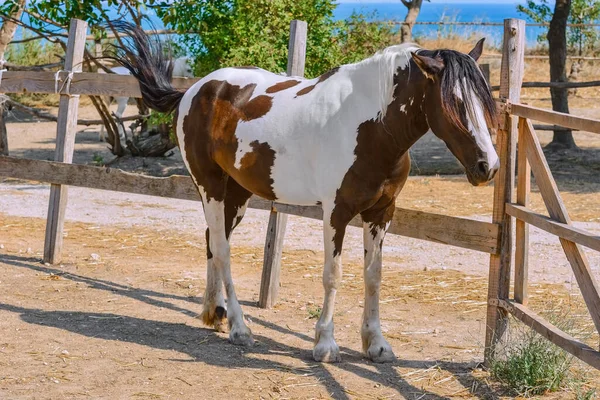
(454, 11)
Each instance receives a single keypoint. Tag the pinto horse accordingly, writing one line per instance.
(340, 141)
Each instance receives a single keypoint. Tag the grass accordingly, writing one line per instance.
(314, 311)
(530, 365)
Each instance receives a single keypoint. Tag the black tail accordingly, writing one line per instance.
(143, 56)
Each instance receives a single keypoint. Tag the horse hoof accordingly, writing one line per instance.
(241, 337)
(381, 352)
(328, 352)
(216, 319)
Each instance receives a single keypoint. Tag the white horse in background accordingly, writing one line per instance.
(182, 67)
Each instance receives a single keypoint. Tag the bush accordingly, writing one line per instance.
(530, 365)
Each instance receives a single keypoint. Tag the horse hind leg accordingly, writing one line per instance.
(214, 312)
(222, 218)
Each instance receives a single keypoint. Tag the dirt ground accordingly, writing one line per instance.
(117, 318)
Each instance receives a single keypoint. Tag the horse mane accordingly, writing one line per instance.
(387, 62)
(461, 74)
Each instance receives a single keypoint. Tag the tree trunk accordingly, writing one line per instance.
(414, 7)
(3, 133)
(7, 32)
(8, 29)
(557, 47)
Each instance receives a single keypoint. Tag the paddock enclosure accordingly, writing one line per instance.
(510, 199)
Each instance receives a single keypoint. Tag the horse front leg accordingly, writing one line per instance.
(374, 345)
(326, 349)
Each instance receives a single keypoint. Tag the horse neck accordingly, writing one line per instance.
(403, 122)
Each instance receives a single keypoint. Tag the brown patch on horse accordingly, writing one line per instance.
(322, 78)
(278, 87)
(382, 164)
(211, 145)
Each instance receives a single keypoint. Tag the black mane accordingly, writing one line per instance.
(460, 69)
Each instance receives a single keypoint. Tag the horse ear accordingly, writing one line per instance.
(428, 65)
(477, 50)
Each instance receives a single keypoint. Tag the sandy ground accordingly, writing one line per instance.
(116, 319)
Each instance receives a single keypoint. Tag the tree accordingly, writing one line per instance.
(7, 32)
(256, 32)
(414, 7)
(559, 39)
(557, 47)
(582, 12)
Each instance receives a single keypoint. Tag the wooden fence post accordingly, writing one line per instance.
(269, 284)
(522, 228)
(485, 69)
(511, 78)
(65, 142)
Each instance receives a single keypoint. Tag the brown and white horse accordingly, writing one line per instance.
(340, 141)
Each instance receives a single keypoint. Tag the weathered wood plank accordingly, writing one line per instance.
(83, 83)
(511, 77)
(555, 118)
(269, 285)
(563, 340)
(522, 229)
(549, 225)
(65, 141)
(461, 232)
(557, 210)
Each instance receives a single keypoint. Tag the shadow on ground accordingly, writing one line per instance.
(203, 346)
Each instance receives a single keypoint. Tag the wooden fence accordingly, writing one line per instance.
(494, 238)
(516, 127)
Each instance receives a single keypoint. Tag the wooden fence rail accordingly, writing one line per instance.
(461, 232)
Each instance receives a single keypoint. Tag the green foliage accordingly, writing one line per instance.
(256, 32)
(532, 366)
(163, 122)
(34, 52)
(582, 12)
(359, 39)
(313, 311)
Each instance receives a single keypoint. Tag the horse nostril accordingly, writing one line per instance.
(483, 168)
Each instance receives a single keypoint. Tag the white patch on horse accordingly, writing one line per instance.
(316, 124)
(477, 124)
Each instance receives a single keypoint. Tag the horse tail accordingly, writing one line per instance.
(144, 57)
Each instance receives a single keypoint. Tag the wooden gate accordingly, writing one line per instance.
(517, 129)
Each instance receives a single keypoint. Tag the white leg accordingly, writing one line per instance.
(219, 246)
(214, 312)
(374, 345)
(325, 347)
(121, 106)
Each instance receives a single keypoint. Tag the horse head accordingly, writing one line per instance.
(460, 109)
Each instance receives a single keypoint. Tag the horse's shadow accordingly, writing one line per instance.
(202, 345)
